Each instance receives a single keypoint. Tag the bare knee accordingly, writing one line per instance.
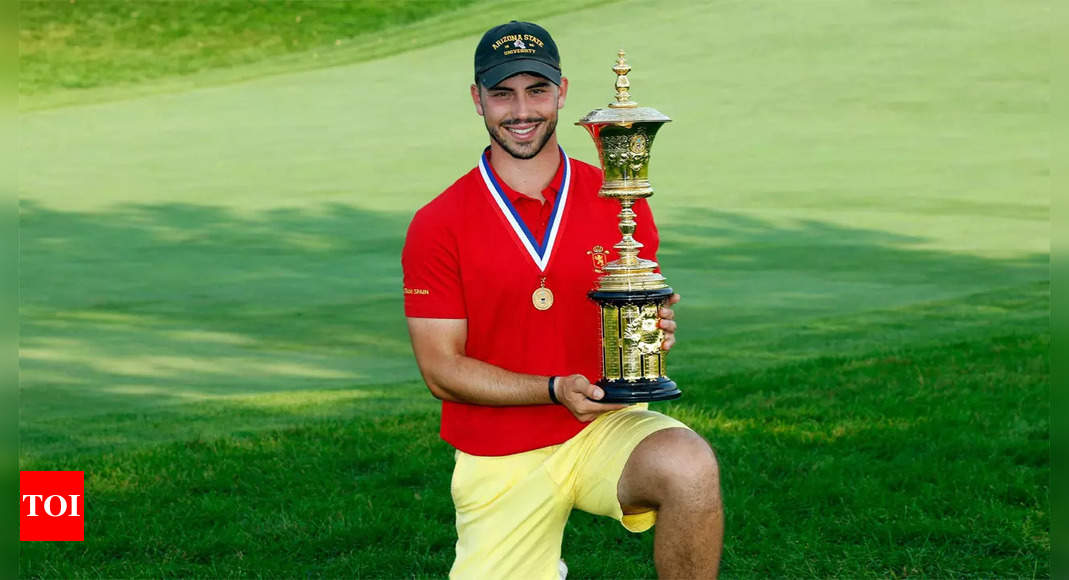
(675, 465)
(694, 470)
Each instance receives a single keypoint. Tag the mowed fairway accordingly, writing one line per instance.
(853, 201)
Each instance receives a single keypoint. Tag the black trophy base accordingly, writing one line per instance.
(640, 391)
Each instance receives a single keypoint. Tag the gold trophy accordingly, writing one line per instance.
(631, 292)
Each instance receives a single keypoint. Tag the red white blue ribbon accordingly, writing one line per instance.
(540, 253)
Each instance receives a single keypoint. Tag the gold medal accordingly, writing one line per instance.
(542, 297)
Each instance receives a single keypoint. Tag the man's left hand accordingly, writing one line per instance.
(668, 322)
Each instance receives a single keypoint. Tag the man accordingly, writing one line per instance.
(496, 271)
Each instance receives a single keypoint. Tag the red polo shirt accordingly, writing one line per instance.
(464, 259)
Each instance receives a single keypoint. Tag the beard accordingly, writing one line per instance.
(525, 150)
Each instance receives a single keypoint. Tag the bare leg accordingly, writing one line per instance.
(675, 472)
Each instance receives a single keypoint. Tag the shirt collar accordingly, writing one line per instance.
(550, 192)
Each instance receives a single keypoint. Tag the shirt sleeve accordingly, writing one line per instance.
(646, 231)
(430, 261)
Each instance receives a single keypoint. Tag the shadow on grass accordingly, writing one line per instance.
(171, 303)
(47, 441)
(814, 265)
(139, 306)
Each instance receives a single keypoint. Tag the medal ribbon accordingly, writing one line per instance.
(540, 253)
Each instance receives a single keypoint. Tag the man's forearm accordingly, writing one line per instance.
(464, 379)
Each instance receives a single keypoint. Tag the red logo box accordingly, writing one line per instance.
(52, 506)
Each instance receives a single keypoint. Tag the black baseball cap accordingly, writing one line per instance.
(514, 48)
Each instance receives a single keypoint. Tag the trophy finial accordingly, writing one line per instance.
(623, 95)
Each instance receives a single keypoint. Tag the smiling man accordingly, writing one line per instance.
(496, 271)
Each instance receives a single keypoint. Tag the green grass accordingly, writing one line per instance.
(91, 43)
(75, 52)
(928, 462)
(852, 201)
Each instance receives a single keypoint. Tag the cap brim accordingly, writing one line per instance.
(496, 74)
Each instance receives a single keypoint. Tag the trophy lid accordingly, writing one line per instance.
(624, 111)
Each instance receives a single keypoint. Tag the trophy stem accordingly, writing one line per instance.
(628, 246)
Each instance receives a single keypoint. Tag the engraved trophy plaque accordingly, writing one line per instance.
(631, 291)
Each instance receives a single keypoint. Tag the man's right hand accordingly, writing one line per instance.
(581, 397)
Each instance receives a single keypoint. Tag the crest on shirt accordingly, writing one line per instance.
(599, 255)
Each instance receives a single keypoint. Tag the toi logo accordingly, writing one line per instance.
(52, 506)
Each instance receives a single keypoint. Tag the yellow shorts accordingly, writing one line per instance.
(511, 510)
